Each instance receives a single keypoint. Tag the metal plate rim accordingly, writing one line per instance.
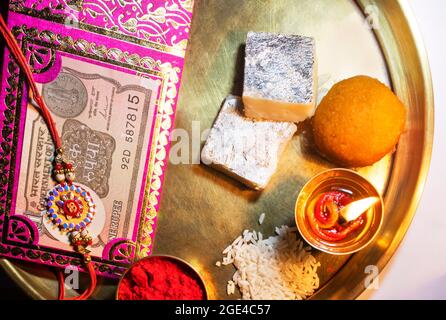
(406, 12)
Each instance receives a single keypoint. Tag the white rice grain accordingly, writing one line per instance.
(261, 218)
(230, 288)
(279, 267)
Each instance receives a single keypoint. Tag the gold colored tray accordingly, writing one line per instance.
(202, 211)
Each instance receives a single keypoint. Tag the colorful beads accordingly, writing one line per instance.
(61, 202)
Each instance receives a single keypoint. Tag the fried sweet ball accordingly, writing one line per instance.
(358, 122)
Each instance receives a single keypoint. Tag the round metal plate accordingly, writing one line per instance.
(203, 211)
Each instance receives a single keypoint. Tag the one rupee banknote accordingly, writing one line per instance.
(105, 117)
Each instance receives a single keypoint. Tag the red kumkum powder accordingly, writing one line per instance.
(160, 278)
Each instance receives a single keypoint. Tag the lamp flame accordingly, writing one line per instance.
(353, 210)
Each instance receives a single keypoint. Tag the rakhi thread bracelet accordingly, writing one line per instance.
(68, 206)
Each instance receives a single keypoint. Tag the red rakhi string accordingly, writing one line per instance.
(87, 293)
(21, 60)
(14, 49)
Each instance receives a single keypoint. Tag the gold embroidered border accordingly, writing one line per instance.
(109, 33)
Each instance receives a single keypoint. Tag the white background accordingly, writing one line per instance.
(418, 270)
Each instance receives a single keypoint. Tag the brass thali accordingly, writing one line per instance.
(202, 211)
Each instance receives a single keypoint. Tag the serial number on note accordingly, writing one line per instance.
(129, 132)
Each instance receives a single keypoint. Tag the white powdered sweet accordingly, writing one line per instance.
(280, 77)
(277, 268)
(245, 149)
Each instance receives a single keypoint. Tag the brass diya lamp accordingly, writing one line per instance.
(339, 212)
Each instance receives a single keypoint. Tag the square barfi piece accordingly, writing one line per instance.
(245, 149)
(280, 77)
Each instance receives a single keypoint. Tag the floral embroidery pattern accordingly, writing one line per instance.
(164, 22)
